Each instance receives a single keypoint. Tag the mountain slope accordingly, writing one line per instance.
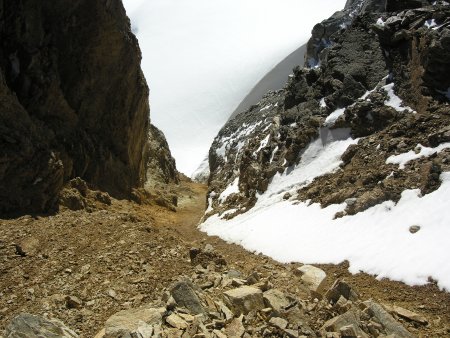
(364, 132)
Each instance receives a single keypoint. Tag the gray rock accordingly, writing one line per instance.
(235, 329)
(409, 315)
(341, 288)
(244, 299)
(414, 228)
(127, 322)
(275, 299)
(31, 326)
(185, 296)
(278, 322)
(390, 325)
(349, 318)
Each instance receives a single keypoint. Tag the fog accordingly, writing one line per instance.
(202, 57)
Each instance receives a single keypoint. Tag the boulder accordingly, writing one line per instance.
(244, 299)
(185, 296)
(344, 322)
(338, 289)
(132, 321)
(31, 326)
(275, 299)
(390, 325)
(313, 277)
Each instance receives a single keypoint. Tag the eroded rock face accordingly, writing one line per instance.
(73, 102)
(161, 168)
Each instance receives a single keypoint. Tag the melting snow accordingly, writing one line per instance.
(380, 22)
(332, 118)
(411, 155)
(394, 101)
(430, 23)
(273, 154)
(262, 144)
(233, 188)
(376, 241)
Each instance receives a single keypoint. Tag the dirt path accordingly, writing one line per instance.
(82, 267)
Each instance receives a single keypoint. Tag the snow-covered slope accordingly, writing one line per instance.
(202, 57)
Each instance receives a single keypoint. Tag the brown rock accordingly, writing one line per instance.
(244, 299)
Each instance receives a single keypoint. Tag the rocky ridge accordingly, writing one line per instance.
(74, 103)
(377, 59)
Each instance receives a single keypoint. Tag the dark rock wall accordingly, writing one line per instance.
(74, 101)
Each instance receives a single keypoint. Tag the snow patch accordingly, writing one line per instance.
(322, 103)
(332, 118)
(273, 154)
(262, 145)
(430, 23)
(233, 188)
(394, 101)
(403, 159)
(380, 22)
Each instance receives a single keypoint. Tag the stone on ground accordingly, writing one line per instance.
(131, 321)
(275, 299)
(244, 299)
(390, 325)
(313, 277)
(185, 296)
(341, 288)
(344, 321)
(31, 326)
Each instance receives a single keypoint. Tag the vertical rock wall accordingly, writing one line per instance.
(73, 101)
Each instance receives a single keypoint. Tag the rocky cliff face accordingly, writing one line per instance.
(382, 80)
(73, 101)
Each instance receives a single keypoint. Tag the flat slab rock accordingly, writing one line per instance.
(131, 321)
(244, 299)
(31, 326)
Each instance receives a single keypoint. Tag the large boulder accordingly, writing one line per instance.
(31, 326)
(313, 277)
(133, 321)
(184, 295)
(244, 299)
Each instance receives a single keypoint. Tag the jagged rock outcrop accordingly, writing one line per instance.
(325, 32)
(74, 101)
(161, 167)
(382, 79)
